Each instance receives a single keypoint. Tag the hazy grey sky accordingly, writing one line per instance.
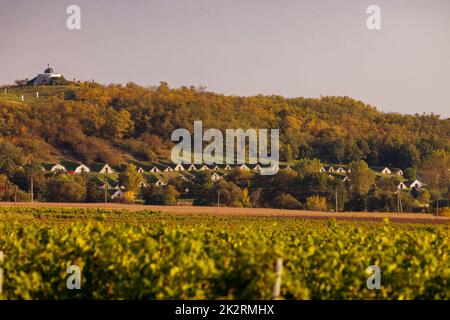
(242, 47)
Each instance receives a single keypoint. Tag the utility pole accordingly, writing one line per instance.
(218, 201)
(32, 190)
(1, 273)
(277, 285)
(399, 202)
(337, 203)
(398, 207)
(106, 189)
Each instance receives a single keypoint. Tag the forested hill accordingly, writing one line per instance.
(94, 123)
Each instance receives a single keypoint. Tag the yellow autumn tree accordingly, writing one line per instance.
(316, 203)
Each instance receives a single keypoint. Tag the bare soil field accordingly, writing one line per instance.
(250, 212)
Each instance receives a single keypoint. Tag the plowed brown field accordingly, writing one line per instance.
(251, 212)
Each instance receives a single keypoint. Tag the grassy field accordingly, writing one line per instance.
(15, 93)
(145, 254)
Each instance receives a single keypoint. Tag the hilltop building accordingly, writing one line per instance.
(48, 77)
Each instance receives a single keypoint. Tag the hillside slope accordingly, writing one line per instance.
(90, 122)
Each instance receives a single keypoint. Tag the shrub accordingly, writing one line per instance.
(170, 195)
(444, 212)
(161, 196)
(410, 173)
(66, 189)
(129, 197)
(316, 203)
(153, 195)
(286, 201)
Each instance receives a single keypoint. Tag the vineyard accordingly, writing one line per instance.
(153, 255)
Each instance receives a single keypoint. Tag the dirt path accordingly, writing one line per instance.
(250, 212)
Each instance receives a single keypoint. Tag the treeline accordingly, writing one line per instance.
(95, 123)
(307, 188)
(302, 187)
(115, 124)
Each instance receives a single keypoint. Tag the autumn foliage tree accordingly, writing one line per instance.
(131, 178)
(435, 171)
(362, 178)
(90, 118)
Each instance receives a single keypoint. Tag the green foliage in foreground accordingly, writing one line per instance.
(147, 255)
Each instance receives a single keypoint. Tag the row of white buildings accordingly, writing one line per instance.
(76, 167)
(381, 170)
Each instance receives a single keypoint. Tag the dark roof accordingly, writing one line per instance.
(70, 165)
(98, 166)
(379, 169)
(152, 178)
(99, 180)
(410, 182)
(48, 165)
(48, 70)
(163, 166)
(187, 175)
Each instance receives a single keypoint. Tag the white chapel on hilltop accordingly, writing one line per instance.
(46, 77)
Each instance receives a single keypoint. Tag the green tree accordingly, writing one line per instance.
(246, 201)
(286, 201)
(4, 186)
(64, 189)
(153, 195)
(131, 178)
(362, 178)
(410, 173)
(11, 158)
(119, 123)
(289, 155)
(170, 195)
(424, 198)
(309, 166)
(94, 193)
(435, 171)
(229, 194)
(240, 178)
(22, 178)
